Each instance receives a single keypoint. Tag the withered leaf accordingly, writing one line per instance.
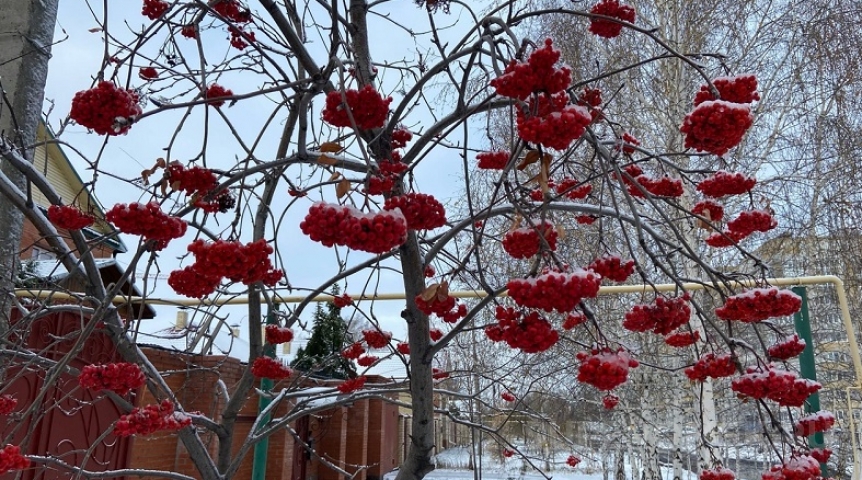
(326, 160)
(342, 187)
(531, 157)
(330, 147)
(430, 292)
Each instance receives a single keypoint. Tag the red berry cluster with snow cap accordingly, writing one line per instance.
(147, 221)
(69, 217)
(710, 365)
(800, 467)
(120, 378)
(528, 332)
(659, 187)
(192, 180)
(154, 9)
(609, 402)
(572, 189)
(422, 211)
(662, 317)
(716, 126)
(787, 348)
(354, 351)
(268, 367)
(555, 291)
(221, 259)
(739, 89)
(816, 422)
(525, 242)
(709, 209)
(537, 74)
(552, 121)
(780, 386)
(759, 304)
(495, 160)
(148, 73)
(682, 339)
(613, 268)
(151, 419)
(573, 319)
(276, 335)
(604, 368)
(610, 8)
(376, 338)
(106, 109)
(752, 221)
(446, 308)
(723, 183)
(11, 459)
(345, 225)
(718, 473)
(367, 107)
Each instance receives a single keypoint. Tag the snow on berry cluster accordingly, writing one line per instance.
(752, 221)
(193, 180)
(525, 242)
(446, 307)
(555, 291)
(495, 160)
(151, 419)
(709, 209)
(573, 461)
(573, 319)
(367, 108)
(389, 171)
(120, 378)
(816, 422)
(759, 304)
(276, 335)
(537, 74)
(215, 95)
(613, 268)
(154, 9)
(780, 386)
(268, 367)
(147, 221)
(221, 259)
(552, 121)
(528, 332)
(627, 143)
(400, 137)
(230, 9)
(799, 467)
(403, 348)
(347, 226)
(610, 8)
(352, 385)
(787, 348)
(420, 210)
(7, 404)
(571, 189)
(716, 126)
(69, 217)
(609, 401)
(659, 187)
(662, 317)
(604, 368)
(148, 73)
(710, 365)
(106, 109)
(376, 338)
(718, 473)
(723, 183)
(821, 454)
(11, 459)
(682, 339)
(354, 351)
(739, 89)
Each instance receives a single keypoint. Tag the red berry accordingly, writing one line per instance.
(610, 8)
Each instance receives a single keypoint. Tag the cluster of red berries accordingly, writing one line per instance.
(538, 74)
(400, 137)
(613, 268)
(820, 454)
(610, 8)
(11, 459)
(716, 126)
(352, 385)
(551, 121)
(7, 404)
(354, 351)
(376, 338)
(659, 187)
(572, 189)
(344, 225)
(189, 31)
(230, 9)
(215, 95)
(422, 211)
(573, 461)
(780, 386)
(788, 348)
(268, 367)
(221, 259)
(723, 183)
(555, 291)
(508, 397)
(718, 473)
(604, 368)
(759, 304)
(446, 308)
(154, 9)
(276, 335)
(530, 333)
(573, 319)
(508, 453)
(662, 317)
(495, 160)
(435, 334)
(384, 180)
(710, 365)
(609, 402)
(726, 238)
(151, 419)
(367, 360)
(586, 219)
(403, 348)
(800, 467)
(120, 378)
(682, 339)
(525, 242)
(147, 221)
(69, 217)
(709, 209)
(366, 107)
(591, 98)
(148, 73)
(739, 89)
(438, 374)
(106, 109)
(751, 221)
(816, 422)
(627, 144)
(193, 180)
(238, 37)
(341, 301)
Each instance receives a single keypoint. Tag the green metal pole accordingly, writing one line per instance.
(258, 465)
(806, 366)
